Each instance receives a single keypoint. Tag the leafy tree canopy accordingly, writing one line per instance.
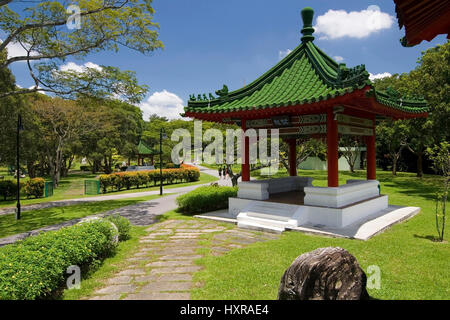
(104, 25)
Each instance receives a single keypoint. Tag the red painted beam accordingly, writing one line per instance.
(292, 157)
(246, 157)
(332, 154)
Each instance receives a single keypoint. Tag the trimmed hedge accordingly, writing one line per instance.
(34, 187)
(137, 179)
(206, 198)
(35, 268)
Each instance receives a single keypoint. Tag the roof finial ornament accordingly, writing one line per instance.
(308, 30)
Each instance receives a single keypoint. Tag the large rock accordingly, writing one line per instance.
(324, 274)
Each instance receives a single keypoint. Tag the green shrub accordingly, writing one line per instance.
(122, 224)
(85, 168)
(8, 188)
(36, 267)
(206, 198)
(34, 188)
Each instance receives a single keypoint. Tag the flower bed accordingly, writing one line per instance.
(127, 180)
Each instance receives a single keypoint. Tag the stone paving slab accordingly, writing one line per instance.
(162, 286)
(120, 280)
(120, 288)
(158, 296)
(170, 250)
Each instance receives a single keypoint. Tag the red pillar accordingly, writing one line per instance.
(332, 145)
(371, 158)
(246, 156)
(292, 157)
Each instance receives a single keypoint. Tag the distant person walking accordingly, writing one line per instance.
(220, 172)
(225, 172)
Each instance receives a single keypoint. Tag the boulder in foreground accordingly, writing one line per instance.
(324, 274)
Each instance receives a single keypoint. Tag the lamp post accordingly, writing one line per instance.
(162, 135)
(19, 128)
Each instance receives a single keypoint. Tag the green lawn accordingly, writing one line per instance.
(413, 266)
(72, 187)
(35, 219)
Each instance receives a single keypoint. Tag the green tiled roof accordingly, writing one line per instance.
(418, 105)
(144, 149)
(305, 76)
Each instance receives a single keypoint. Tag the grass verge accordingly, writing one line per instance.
(35, 219)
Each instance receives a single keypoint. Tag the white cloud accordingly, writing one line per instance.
(15, 49)
(338, 58)
(164, 104)
(284, 53)
(39, 87)
(379, 75)
(72, 66)
(335, 24)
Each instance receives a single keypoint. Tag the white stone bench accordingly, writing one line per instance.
(262, 189)
(350, 193)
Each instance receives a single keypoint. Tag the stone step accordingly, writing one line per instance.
(243, 218)
(252, 225)
(270, 216)
(271, 210)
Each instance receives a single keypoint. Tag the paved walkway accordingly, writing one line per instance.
(142, 214)
(163, 265)
(63, 203)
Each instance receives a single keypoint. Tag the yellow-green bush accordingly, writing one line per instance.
(128, 180)
(34, 188)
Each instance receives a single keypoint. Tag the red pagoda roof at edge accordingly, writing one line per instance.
(423, 20)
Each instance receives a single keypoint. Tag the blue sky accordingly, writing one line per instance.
(209, 43)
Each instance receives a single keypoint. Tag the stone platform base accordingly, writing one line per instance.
(277, 217)
(361, 230)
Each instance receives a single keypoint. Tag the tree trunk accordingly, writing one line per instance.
(420, 164)
(352, 167)
(31, 169)
(394, 165)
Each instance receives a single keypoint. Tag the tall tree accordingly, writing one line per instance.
(350, 147)
(431, 80)
(44, 34)
(117, 127)
(305, 148)
(60, 121)
(392, 137)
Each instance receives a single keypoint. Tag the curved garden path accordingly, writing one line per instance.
(142, 214)
(163, 265)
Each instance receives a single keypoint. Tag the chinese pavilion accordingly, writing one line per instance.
(145, 151)
(307, 93)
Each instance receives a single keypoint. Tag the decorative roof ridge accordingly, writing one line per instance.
(257, 84)
(393, 99)
(395, 96)
(330, 72)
